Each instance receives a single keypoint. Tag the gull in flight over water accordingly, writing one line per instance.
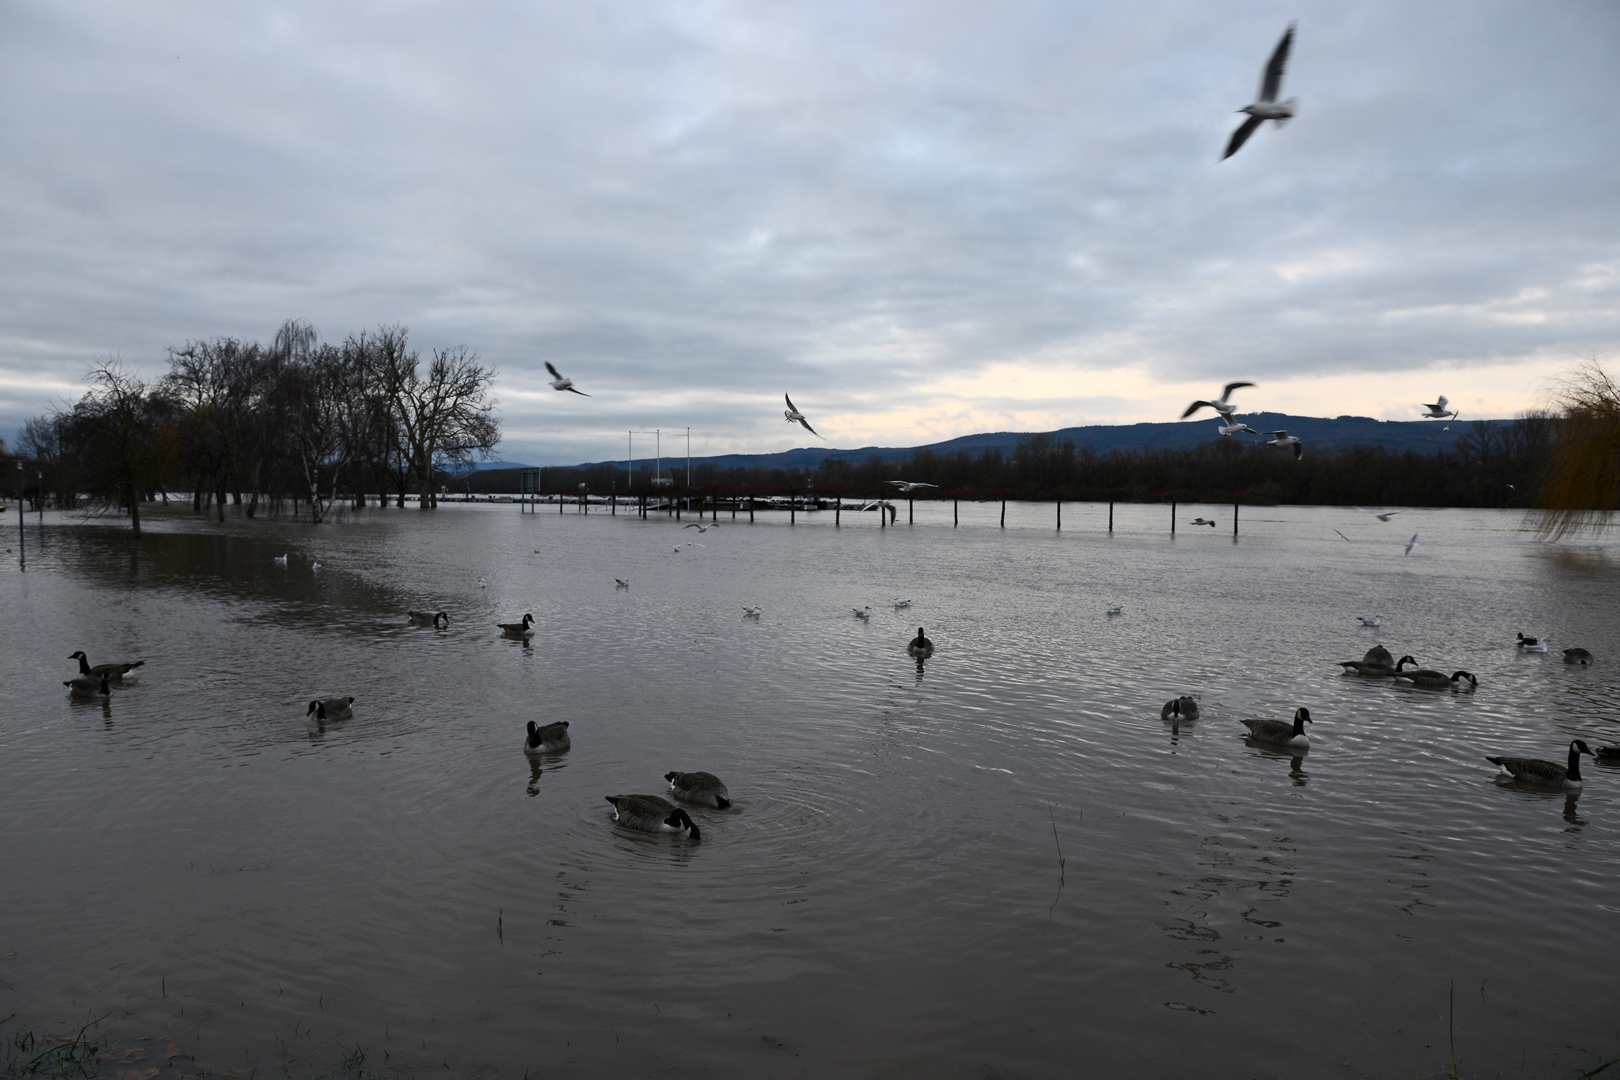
(1220, 404)
(1268, 107)
(1202, 521)
(705, 528)
(1412, 543)
(1385, 516)
(561, 382)
(794, 416)
(1343, 537)
(1285, 439)
(908, 485)
(1229, 426)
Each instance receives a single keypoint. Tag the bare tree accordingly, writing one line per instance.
(119, 419)
(1580, 486)
(445, 415)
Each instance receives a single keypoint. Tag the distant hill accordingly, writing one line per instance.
(1338, 432)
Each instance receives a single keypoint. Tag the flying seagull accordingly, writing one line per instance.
(1202, 521)
(1228, 426)
(1412, 543)
(1447, 428)
(1439, 410)
(1343, 537)
(794, 416)
(1268, 107)
(1284, 439)
(1385, 516)
(705, 528)
(908, 485)
(560, 382)
(1220, 404)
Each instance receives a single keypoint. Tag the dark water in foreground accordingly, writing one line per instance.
(886, 897)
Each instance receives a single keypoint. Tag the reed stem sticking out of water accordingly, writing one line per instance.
(1061, 861)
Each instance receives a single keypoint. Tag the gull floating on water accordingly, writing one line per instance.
(1268, 107)
(754, 611)
(315, 566)
(1530, 644)
(863, 612)
(1220, 404)
(621, 583)
(909, 485)
(561, 382)
(794, 416)
(1115, 609)
(1375, 620)
(1282, 438)
(282, 559)
(689, 543)
(1412, 543)
(899, 602)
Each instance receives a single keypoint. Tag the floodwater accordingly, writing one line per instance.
(887, 895)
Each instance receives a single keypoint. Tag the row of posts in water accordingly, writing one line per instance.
(887, 512)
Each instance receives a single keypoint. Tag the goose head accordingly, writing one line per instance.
(84, 662)
(1472, 682)
(1403, 661)
(439, 616)
(317, 709)
(1302, 716)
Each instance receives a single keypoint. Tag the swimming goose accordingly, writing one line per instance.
(1577, 656)
(427, 618)
(753, 612)
(517, 629)
(649, 813)
(863, 612)
(699, 787)
(116, 671)
(1376, 663)
(86, 687)
(1181, 708)
(1544, 773)
(332, 708)
(920, 646)
(1530, 644)
(1430, 677)
(1375, 620)
(1279, 732)
(551, 739)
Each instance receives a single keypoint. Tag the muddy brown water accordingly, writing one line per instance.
(886, 896)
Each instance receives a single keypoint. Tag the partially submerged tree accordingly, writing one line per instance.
(1580, 487)
(116, 425)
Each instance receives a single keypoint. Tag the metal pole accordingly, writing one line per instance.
(750, 509)
(911, 510)
(630, 459)
(793, 510)
(22, 550)
(1060, 511)
(689, 459)
(1110, 515)
(40, 476)
(1234, 518)
(1172, 516)
(956, 517)
(838, 511)
(883, 514)
(1004, 512)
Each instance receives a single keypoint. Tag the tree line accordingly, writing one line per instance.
(296, 422)
(1492, 465)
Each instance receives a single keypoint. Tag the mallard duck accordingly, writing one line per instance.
(920, 646)
(1375, 664)
(428, 618)
(699, 787)
(1544, 773)
(1430, 677)
(332, 708)
(1280, 733)
(1530, 644)
(649, 813)
(551, 739)
(1181, 708)
(87, 687)
(116, 671)
(1577, 656)
(517, 629)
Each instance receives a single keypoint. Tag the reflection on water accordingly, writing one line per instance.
(989, 864)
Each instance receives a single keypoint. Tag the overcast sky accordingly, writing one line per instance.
(920, 219)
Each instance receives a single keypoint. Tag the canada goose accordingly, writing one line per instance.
(1181, 708)
(1430, 677)
(920, 646)
(1530, 644)
(1376, 664)
(1544, 773)
(699, 787)
(517, 629)
(428, 618)
(551, 739)
(332, 708)
(1280, 732)
(863, 612)
(1115, 609)
(87, 687)
(649, 813)
(1577, 656)
(116, 671)
(1373, 620)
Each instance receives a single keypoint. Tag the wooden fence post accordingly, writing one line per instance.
(955, 516)
(1172, 516)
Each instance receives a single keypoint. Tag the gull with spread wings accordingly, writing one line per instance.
(1282, 438)
(561, 382)
(1268, 107)
(1220, 404)
(794, 416)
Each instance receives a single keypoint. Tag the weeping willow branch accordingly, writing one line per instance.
(1580, 487)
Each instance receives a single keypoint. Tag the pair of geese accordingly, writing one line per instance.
(1276, 732)
(94, 682)
(1378, 663)
(644, 813)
